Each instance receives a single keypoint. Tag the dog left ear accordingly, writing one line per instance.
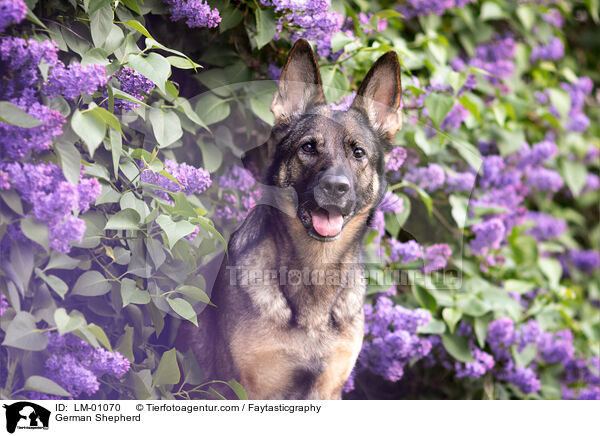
(380, 94)
(299, 84)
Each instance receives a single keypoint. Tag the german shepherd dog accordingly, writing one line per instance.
(283, 338)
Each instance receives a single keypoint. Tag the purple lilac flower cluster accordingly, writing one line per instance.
(488, 235)
(417, 8)
(483, 362)
(76, 365)
(54, 200)
(190, 180)
(585, 260)
(430, 178)
(582, 375)
(552, 51)
(343, 103)
(391, 340)
(502, 335)
(11, 12)
(311, 20)
(457, 115)
(496, 57)
(502, 185)
(364, 21)
(236, 207)
(196, 13)
(578, 120)
(25, 87)
(3, 304)
(396, 159)
(134, 84)
(551, 348)
(75, 80)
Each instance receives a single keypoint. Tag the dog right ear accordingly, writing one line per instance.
(299, 84)
(380, 95)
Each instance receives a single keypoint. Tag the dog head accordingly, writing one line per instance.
(334, 160)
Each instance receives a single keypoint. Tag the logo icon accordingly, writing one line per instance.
(26, 415)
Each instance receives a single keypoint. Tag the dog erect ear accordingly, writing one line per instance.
(380, 94)
(299, 84)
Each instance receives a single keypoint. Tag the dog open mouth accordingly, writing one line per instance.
(328, 222)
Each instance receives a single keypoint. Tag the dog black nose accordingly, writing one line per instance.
(335, 186)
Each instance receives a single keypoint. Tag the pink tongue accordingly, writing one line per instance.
(327, 224)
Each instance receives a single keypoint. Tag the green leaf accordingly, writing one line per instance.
(525, 357)
(334, 82)
(194, 293)
(90, 128)
(184, 106)
(473, 306)
(116, 148)
(22, 333)
(527, 16)
(174, 230)
(167, 372)
(126, 219)
(12, 200)
(131, 294)
(136, 25)
(165, 125)
(552, 269)
(154, 66)
(100, 335)
(230, 17)
(70, 160)
(470, 106)
(126, 344)
(105, 116)
(42, 384)
(459, 209)
(265, 27)
(262, 110)
(68, 322)
(561, 100)
(36, 230)
(451, 316)
(518, 286)
(237, 389)
(434, 327)
(438, 106)
(101, 22)
(91, 284)
(211, 109)
(117, 93)
(212, 156)
(424, 297)
(458, 347)
(133, 5)
(469, 153)
(184, 309)
(481, 328)
(56, 283)
(22, 262)
(575, 174)
(61, 261)
(524, 249)
(490, 11)
(183, 63)
(14, 115)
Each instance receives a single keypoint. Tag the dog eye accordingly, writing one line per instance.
(309, 148)
(359, 153)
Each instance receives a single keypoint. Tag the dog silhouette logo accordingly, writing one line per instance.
(26, 415)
